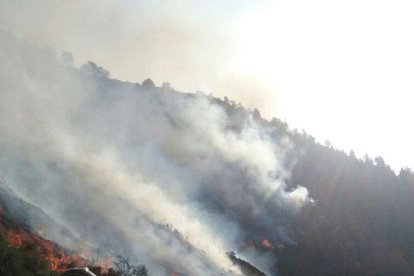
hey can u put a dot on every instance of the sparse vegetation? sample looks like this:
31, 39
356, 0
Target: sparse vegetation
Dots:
125, 268
21, 261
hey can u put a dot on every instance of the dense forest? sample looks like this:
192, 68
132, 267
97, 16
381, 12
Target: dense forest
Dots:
362, 222
362, 219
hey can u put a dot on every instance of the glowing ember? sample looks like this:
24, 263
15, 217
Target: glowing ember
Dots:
267, 244
16, 238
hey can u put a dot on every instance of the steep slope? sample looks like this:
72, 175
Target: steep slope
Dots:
362, 222
177, 180
169, 179
26, 216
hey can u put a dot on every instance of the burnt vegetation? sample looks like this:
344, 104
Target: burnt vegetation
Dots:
361, 221
27, 259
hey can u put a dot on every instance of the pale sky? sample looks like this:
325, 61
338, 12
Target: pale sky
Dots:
341, 70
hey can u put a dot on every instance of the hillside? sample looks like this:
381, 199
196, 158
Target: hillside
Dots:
186, 184
362, 222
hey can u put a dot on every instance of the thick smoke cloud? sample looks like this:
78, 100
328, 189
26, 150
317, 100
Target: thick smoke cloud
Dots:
149, 173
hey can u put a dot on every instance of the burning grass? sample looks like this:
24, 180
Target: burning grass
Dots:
57, 258
25, 253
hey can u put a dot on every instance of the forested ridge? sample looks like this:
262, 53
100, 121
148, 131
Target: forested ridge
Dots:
362, 222
362, 219
281, 203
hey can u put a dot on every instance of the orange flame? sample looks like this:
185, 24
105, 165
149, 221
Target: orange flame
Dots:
267, 244
57, 258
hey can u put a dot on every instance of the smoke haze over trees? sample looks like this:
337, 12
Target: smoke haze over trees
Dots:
110, 159
180, 182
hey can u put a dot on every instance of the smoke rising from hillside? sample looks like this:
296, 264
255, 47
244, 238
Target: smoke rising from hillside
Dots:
143, 172
190, 44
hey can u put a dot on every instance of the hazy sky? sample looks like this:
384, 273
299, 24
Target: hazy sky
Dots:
341, 70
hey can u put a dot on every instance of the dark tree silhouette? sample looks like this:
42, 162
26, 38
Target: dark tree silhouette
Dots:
125, 268
148, 84
91, 68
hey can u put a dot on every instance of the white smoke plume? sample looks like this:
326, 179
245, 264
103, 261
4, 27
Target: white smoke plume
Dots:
159, 176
